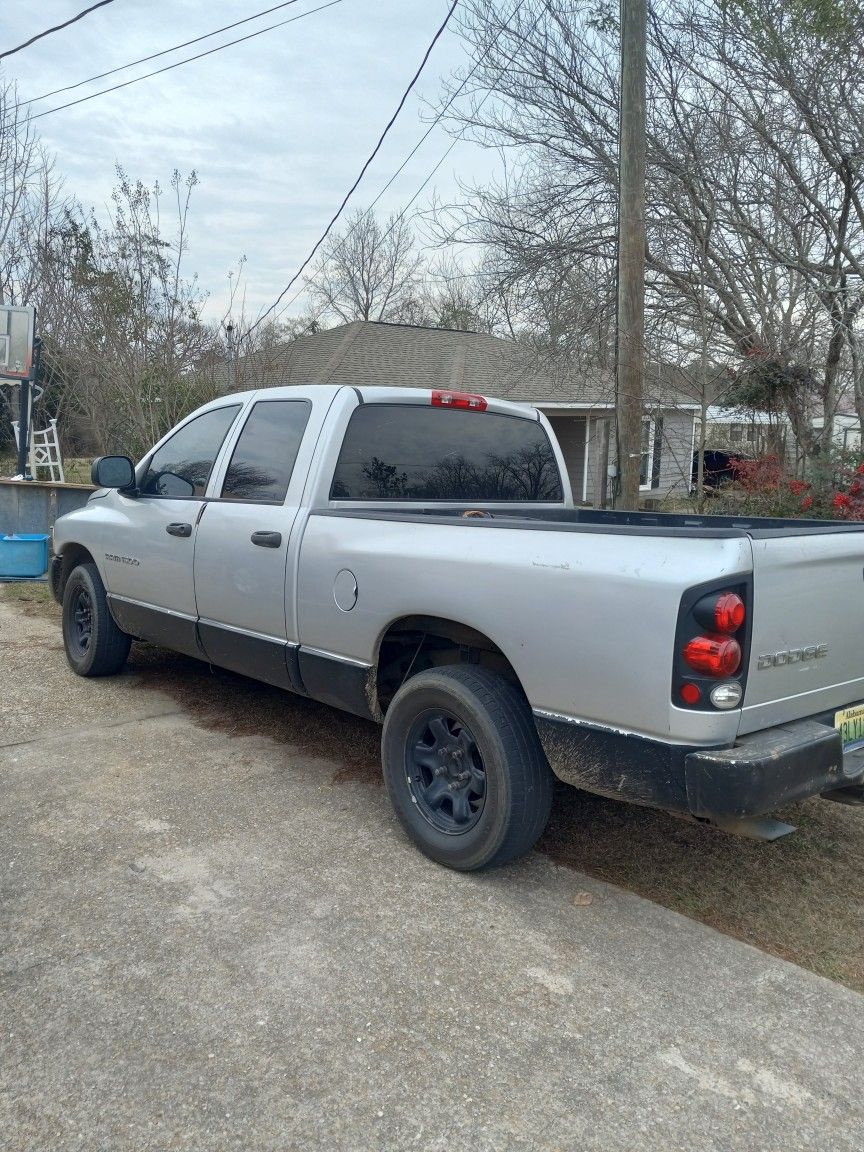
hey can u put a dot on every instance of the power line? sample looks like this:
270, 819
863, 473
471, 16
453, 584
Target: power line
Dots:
461, 135
394, 223
363, 170
180, 63
156, 55
56, 28
440, 115
401, 215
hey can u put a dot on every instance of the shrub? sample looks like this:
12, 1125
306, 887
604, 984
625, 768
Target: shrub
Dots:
832, 490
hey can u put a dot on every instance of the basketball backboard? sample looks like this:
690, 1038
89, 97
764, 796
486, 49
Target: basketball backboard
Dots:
17, 330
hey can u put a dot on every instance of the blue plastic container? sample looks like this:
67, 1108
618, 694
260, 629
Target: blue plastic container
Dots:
24, 554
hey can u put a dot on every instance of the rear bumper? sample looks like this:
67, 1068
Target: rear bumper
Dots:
767, 770
760, 773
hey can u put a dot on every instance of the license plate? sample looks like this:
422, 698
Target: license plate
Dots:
850, 721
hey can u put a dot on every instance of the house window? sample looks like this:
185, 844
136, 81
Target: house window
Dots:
751, 433
649, 463
736, 433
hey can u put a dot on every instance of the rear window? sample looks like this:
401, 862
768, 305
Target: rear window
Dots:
263, 459
410, 452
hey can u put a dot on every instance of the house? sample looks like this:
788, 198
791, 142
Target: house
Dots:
578, 408
748, 432
846, 431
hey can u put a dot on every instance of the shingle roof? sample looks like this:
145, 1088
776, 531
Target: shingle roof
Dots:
374, 353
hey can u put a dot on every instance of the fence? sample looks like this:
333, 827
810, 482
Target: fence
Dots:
34, 505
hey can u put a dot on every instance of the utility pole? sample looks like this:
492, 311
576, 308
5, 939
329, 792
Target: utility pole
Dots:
631, 248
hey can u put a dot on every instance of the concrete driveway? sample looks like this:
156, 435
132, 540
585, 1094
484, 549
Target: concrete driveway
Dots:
221, 943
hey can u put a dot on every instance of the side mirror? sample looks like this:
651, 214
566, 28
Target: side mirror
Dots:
113, 472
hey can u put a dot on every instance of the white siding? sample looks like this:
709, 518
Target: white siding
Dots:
569, 429
676, 459
673, 439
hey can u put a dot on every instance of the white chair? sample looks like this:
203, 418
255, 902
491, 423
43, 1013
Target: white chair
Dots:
44, 452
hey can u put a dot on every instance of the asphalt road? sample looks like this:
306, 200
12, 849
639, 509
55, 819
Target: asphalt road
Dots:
222, 943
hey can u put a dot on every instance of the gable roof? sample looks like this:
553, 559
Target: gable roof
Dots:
405, 355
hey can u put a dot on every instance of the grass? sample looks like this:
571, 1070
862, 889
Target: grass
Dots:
75, 469
33, 599
799, 898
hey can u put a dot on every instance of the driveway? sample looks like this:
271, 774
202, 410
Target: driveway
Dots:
221, 942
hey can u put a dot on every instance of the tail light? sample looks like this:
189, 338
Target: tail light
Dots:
714, 655
691, 693
711, 644
721, 612
466, 400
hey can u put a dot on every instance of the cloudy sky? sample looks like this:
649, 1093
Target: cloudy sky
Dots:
277, 128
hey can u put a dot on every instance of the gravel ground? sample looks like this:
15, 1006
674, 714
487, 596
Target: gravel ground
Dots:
215, 941
800, 898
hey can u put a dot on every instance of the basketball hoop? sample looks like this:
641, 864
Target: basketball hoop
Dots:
19, 364
17, 334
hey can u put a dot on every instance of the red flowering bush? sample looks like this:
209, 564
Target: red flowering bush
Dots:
767, 474
766, 487
849, 505
842, 478
834, 489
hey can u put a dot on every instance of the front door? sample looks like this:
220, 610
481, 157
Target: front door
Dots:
149, 568
243, 545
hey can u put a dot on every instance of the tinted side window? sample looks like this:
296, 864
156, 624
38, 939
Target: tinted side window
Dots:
183, 464
409, 452
263, 459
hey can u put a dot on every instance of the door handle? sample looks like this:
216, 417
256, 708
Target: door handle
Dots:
179, 529
266, 539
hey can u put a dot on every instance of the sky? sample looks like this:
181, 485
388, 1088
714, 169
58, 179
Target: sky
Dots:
276, 128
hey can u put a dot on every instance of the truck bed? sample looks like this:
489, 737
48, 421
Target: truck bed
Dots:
685, 525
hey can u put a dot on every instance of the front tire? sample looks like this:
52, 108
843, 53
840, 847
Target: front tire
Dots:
464, 768
94, 644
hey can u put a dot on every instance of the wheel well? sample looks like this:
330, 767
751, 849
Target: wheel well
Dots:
71, 556
416, 643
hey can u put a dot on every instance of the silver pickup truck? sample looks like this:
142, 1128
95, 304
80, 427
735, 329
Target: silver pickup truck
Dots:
414, 557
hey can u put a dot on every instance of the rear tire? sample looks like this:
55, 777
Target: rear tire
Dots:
464, 768
94, 644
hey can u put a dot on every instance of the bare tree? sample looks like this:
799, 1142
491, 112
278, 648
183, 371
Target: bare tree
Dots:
369, 271
31, 207
126, 352
22, 166
453, 296
755, 219
136, 342
546, 276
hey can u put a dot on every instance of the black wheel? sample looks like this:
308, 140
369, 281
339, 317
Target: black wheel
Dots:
94, 644
464, 768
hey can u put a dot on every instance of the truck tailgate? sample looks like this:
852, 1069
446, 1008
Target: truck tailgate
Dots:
807, 650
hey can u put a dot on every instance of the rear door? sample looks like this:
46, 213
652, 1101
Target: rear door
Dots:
244, 542
807, 649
